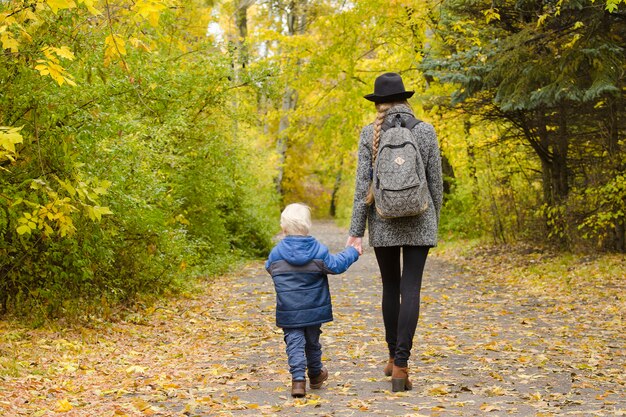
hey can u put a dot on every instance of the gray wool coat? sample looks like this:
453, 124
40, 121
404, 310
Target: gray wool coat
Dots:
410, 231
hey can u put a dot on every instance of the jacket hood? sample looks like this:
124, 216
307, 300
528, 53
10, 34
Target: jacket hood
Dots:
298, 250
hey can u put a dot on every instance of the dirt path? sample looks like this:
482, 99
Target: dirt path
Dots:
479, 350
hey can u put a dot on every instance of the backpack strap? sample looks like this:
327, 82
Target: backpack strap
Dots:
397, 121
412, 122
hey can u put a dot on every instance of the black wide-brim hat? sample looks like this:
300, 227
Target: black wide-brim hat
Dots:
389, 88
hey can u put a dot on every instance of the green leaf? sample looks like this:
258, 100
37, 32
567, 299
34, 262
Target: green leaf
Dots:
24, 229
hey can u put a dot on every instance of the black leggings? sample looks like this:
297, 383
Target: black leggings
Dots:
401, 296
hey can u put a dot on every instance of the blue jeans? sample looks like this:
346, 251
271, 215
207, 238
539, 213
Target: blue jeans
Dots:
304, 351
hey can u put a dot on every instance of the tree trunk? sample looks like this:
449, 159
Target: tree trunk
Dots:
448, 175
241, 21
471, 160
553, 156
498, 229
333, 196
553, 153
560, 177
239, 58
289, 103
544, 144
616, 161
296, 20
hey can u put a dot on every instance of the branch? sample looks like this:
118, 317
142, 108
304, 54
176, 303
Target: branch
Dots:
110, 25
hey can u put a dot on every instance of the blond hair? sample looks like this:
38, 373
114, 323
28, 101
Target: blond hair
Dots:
296, 219
381, 113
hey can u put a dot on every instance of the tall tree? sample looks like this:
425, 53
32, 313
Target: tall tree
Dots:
548, 69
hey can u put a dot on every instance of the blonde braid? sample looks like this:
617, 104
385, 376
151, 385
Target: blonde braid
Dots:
381, 109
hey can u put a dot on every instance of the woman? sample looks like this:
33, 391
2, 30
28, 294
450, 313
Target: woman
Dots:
411, 236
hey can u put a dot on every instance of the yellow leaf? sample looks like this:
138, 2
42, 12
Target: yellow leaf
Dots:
491, 14
43, 69
495, 391
496, 375
438, 390
23, 229
26, 35
56, 5
115, 47
96, 212
150, 10
141, 404
488, 408
64, 52
138, 43
90, 6
63, 406
135, 369
48, 52
571, 43
54, 70
9, 42
9, 136
30, 15
493, 346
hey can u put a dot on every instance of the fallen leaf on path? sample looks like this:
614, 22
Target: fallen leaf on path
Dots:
63, 406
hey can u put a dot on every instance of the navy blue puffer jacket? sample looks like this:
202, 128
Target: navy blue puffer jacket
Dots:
298, 265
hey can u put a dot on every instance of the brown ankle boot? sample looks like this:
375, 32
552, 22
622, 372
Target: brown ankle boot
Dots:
317, 381
389, 367
298, 388
400, 379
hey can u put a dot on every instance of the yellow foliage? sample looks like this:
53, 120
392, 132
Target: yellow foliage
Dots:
56, 214
139, 44
572, 42
90, 6
62, 52
491, 14
9, 136
54, 70
57, 5
63, 406
96, 212
8, 42
150, 10
115, 48
51, 66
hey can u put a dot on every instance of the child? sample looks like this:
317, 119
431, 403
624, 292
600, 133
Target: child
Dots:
298, 265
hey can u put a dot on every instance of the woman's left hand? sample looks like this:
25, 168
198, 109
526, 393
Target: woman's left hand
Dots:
355, 242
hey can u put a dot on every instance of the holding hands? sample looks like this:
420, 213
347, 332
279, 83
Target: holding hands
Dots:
356, 243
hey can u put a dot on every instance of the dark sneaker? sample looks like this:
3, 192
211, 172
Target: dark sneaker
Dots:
298, 388
317, 381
